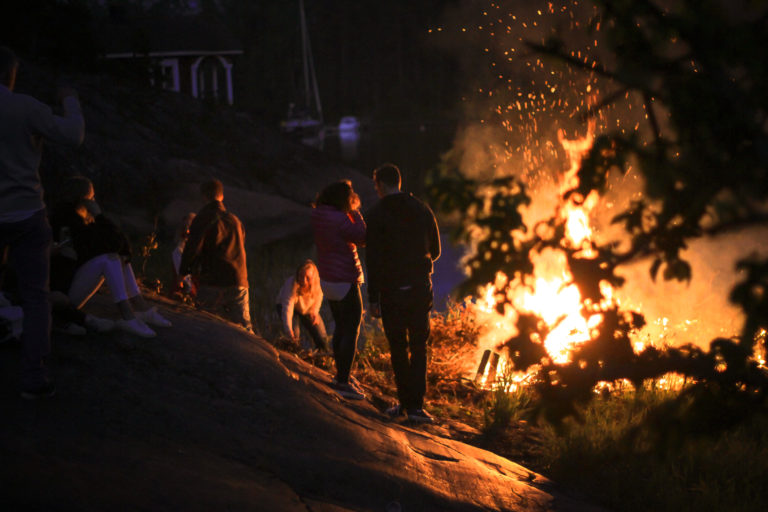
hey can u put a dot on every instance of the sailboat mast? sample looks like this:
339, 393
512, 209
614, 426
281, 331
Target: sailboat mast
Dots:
310, 78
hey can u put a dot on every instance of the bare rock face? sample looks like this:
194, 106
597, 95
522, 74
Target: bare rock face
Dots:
208, 417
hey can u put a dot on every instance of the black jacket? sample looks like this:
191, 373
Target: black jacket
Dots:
215, 249
88, 240
401, 243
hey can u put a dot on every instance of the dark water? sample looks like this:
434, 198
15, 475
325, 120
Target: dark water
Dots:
414, 147
448, 273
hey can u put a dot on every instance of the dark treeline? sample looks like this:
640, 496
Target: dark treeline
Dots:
373, 59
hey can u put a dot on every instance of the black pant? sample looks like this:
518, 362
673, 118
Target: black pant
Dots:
29, 243
405, 316
347, 315
307, 324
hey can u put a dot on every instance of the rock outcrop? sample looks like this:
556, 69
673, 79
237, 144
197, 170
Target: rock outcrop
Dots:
209, 417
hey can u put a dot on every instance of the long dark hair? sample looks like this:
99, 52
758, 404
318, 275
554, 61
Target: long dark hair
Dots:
340, 195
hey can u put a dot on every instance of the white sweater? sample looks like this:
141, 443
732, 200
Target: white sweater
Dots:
290, 300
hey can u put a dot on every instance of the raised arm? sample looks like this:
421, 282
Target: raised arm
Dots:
66, 129
353, 228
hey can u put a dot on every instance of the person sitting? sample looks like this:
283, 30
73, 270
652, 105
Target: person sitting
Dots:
301, 296
101, 253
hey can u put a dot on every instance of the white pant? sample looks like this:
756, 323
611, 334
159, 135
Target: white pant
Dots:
110, 267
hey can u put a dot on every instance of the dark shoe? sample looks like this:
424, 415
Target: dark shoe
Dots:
346, 390
70, 329
356, 384
395, 411
420, 416
43, 391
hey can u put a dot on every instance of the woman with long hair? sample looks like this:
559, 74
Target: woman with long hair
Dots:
99, 252
339, 229
301, 296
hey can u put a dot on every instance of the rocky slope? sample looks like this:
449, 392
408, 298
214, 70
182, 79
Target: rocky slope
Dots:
208, 417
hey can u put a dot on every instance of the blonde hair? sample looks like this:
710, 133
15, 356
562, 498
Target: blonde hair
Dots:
308, 267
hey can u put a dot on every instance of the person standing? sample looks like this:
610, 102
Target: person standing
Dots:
402, 242
24, 124
215, 255
339, 229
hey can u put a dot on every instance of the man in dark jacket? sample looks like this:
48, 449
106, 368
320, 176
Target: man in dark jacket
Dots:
402, 242
215, 254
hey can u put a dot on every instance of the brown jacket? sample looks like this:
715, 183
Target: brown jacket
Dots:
215, 250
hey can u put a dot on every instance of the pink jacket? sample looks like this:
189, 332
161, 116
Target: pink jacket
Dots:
337, 236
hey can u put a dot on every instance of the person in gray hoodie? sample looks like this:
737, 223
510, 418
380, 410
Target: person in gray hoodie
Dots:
24, 229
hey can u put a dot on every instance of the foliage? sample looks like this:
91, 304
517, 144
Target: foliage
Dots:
453, 344
505, 407
699, 72
603, 457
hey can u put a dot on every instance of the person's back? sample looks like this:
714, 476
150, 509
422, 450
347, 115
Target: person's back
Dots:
221, 246
336, 235
24, 123
402, 242
215, 255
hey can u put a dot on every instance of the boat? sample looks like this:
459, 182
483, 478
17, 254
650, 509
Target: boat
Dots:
349, 124
304, 121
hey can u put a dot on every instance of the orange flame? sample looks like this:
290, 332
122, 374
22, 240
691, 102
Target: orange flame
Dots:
551, 293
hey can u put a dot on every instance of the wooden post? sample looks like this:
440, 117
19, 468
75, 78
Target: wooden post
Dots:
483, 364
494, 365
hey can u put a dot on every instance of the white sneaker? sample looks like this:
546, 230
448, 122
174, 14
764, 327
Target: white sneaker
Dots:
137, 327
152, 317
98, 324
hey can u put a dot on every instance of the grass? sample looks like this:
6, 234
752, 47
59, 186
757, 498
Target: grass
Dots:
595, 458
598, 458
